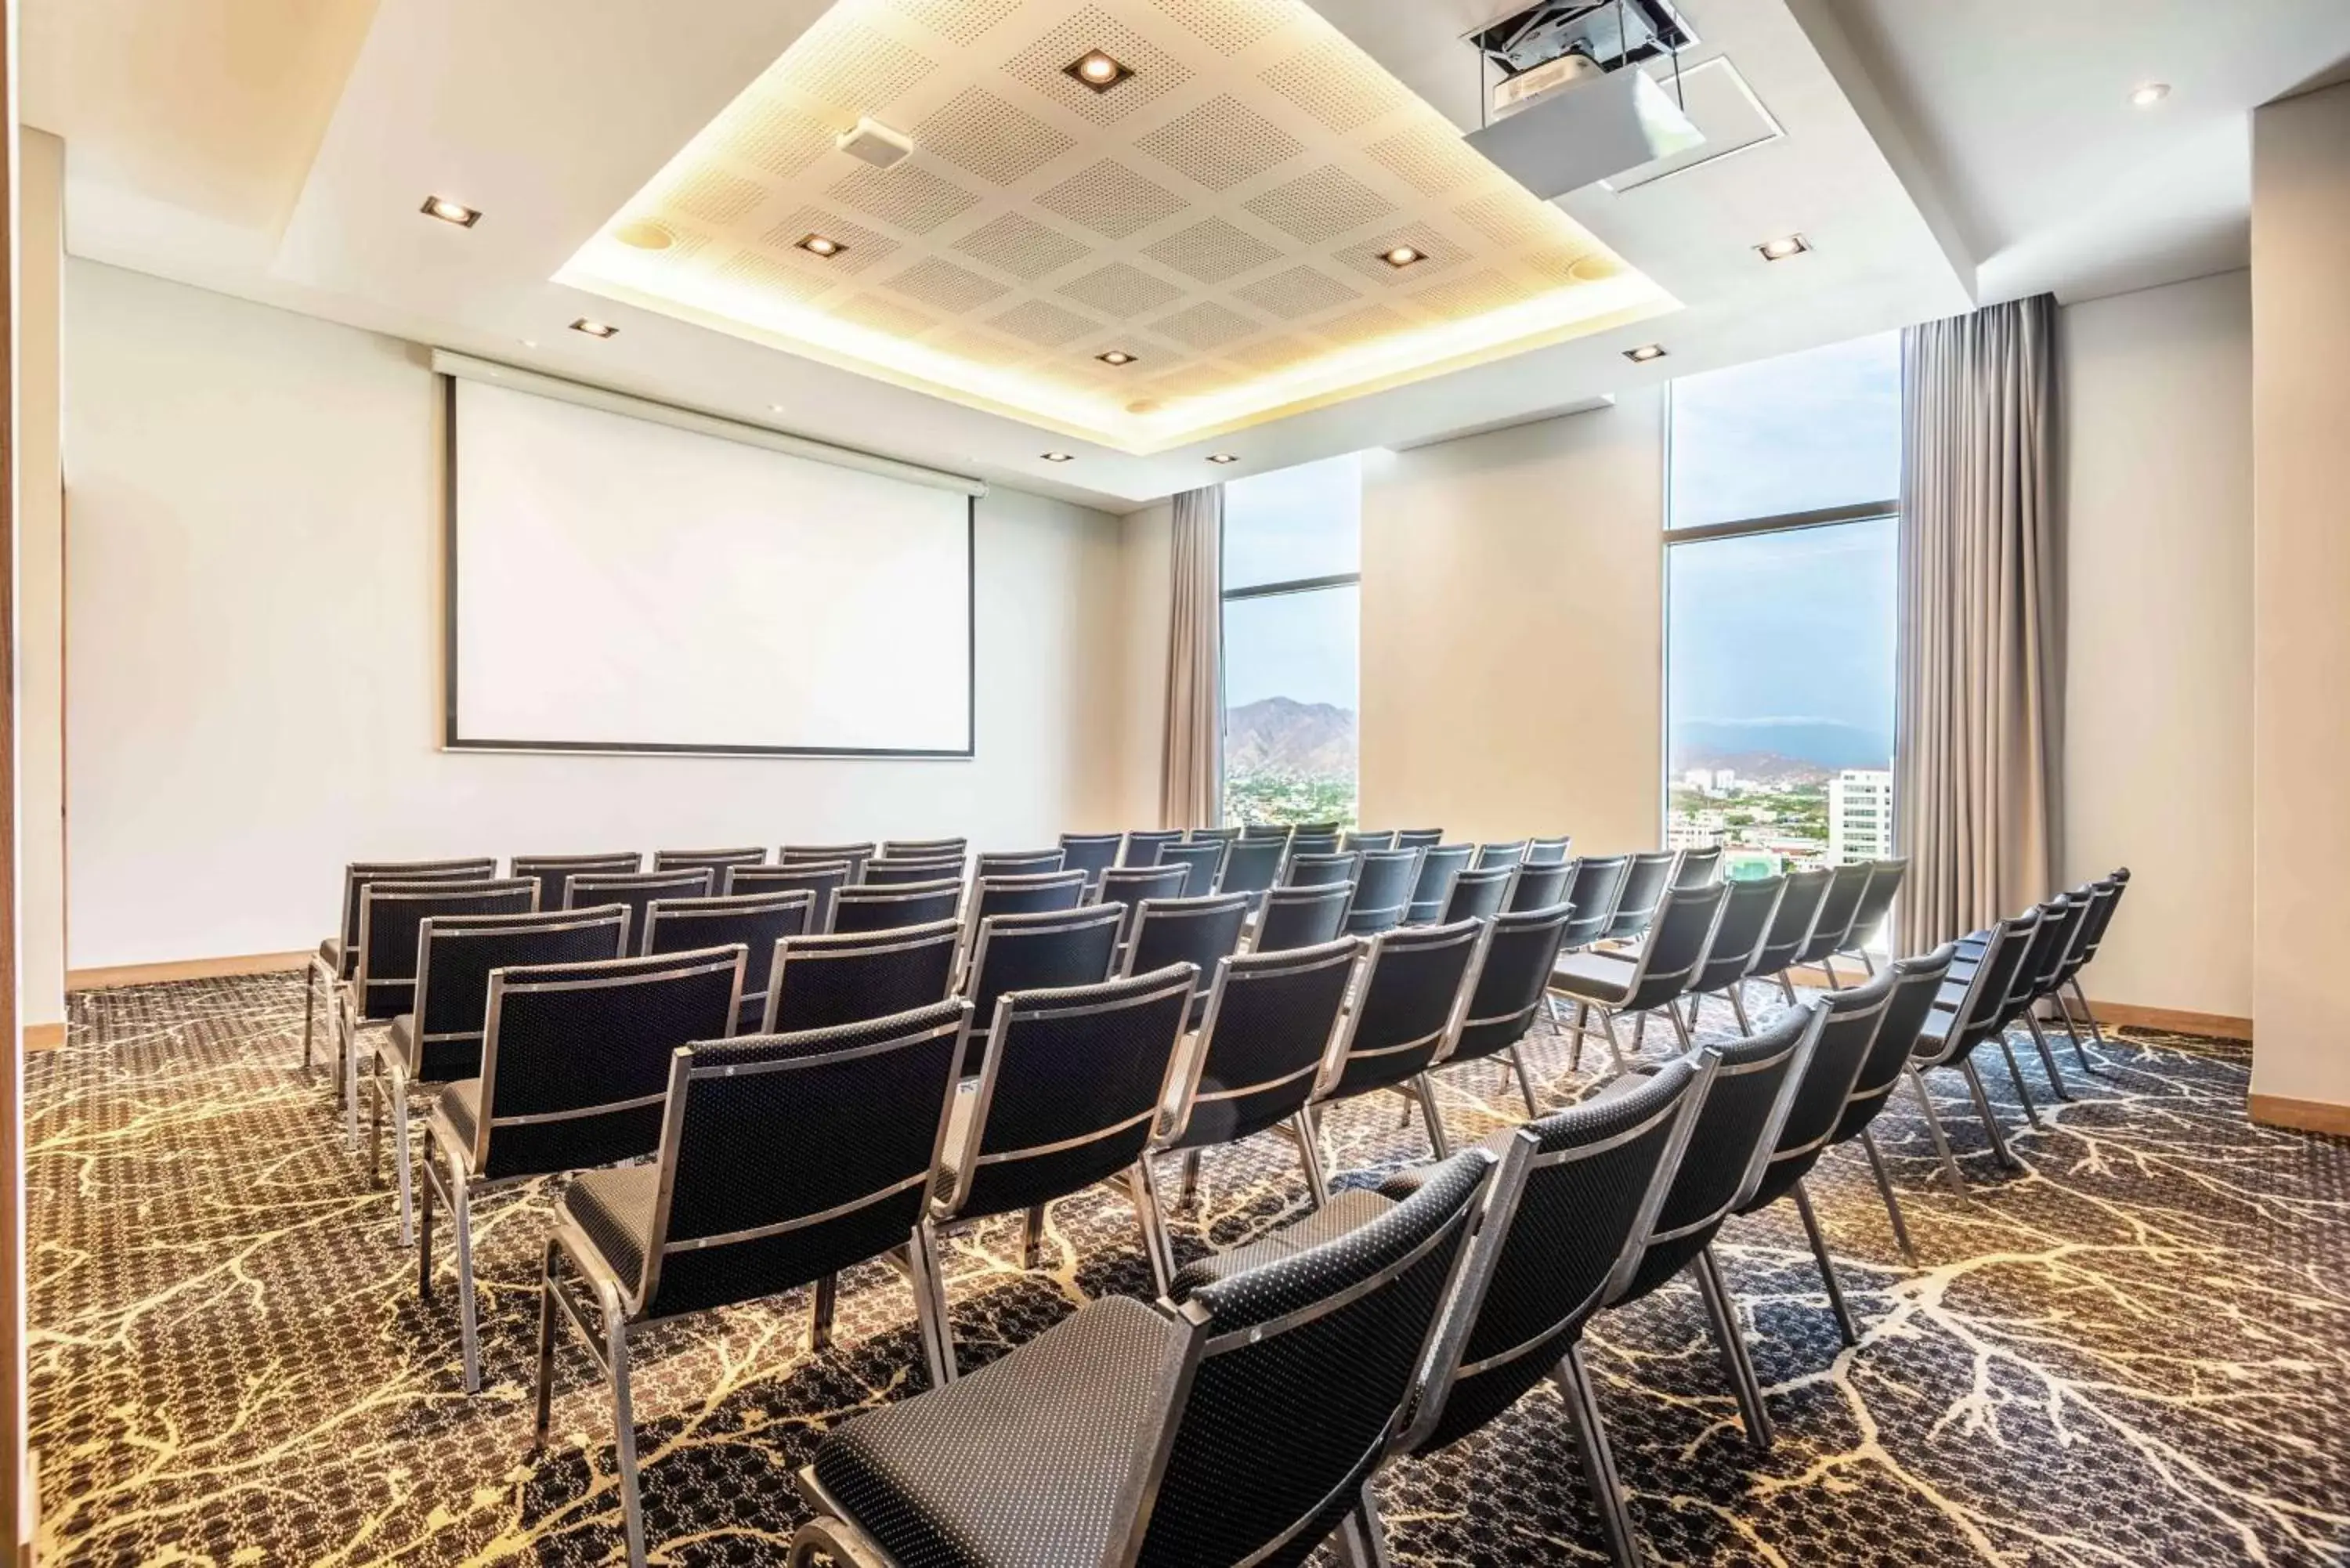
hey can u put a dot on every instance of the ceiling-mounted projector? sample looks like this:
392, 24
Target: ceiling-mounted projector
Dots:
1574, 105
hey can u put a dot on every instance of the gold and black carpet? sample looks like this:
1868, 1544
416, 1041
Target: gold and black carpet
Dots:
2137, 1351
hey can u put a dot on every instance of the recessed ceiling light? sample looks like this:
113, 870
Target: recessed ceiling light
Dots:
822, 246
595, 329
1060, 457
1098, 69
1222, 457
1403, 256
2150, 94
449, 211
1645, 352
1782, 247
1116, 357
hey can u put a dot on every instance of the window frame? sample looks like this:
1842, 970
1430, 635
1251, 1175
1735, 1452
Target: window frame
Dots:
1225, 599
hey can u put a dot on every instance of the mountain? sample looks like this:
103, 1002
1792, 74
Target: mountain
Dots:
1277, 734
1824, 743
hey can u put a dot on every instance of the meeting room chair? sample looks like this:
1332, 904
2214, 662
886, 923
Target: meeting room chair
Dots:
1304, 917
549, 870
1637, 984
1875, 911
1091, 853
1838, 907
1202, 859
1142, 848
1479, 893
854, 977
889, 907
331, 964
1273, 830
1402, 1018
856, 856
1018, 863
635, 891
1539, 885
1318, 829
1363, 842
782, 1160
1697, 867
1438, 865
1418, 837
924, 848
575, 1070
1038, 894
1514, 853
1548, 851
1916, 981
1181, 1403
1070, 1086
1053, 951
1646, 879
1313, 870
1594, 883
1747, 910
1201, 932
1513, 975
2110, 889
1212, 836
1791, 927
1384, 880
1251, 866
822, 880
1967, 1016
1130, 885
883, 871
1302, 843
716, 860
759, 922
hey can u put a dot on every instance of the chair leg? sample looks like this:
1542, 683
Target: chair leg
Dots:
1436, 1137
1738, 1006
1573, 1382
2065, 1013
1309, 1153
2088, 1014
1868, 964
624, 1424
1787, 988
1190, 1193
1615, 1047
1525, 1080
1991, 1123
348, 1063
1892, 1203
1732, 1345
400, 1151
926, 1237
824, 1301
460, 1223
1827, 968
926, 1307
1640, 1033
1680, 1028
1360, 1540
2015, 1072
1031, 1237
1934, 1126
1156, 1245
424, 1231
1844, 1325
310, 1007
1582, 1025
544, 1390
2047, 1056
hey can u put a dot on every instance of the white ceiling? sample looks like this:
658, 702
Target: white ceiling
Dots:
1935, 150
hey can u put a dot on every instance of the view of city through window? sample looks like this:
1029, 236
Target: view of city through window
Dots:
1293, 560
1782, 588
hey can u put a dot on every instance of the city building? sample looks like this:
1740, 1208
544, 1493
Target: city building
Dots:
1860, 816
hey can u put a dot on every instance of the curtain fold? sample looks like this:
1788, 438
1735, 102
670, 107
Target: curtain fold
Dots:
1190, 782
1981, 662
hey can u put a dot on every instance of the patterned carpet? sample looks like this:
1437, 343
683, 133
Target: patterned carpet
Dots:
2138, 1352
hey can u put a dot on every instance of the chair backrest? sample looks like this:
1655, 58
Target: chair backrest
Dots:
1540, 883
1837, 908
1142, 848
1511, 853
1875, 907
1316, 829
1314, 870
1130, 885
1513, 974
1418, 837
1697, 867
784, 1158
1304, 917
1297, 1375
1304, 843
1734, 1135
1201, 932
894, 906
884, 872
1252, 864
1359, 843
1091, 853
2097, 899
1405, 1012
1049, 952
1679, 939
2043, 961
1647, 880
1979, 1010
575, 1061
549, 870
1593, 886
1270, 1020
1020, 863
853, 977
1277, 831
1792, 922
359, 874
1746, 911
391, 919
1479, 895
1202, 860
717, 860
1916, 982
2119, 876
1855, 1016
1212, 836
1069, 1088
636, 890
924, 848
854, 855
1595, 1180
1548, 851
456, 955
821, 880
757, 921
1438, 865
1040, 894
1384, 880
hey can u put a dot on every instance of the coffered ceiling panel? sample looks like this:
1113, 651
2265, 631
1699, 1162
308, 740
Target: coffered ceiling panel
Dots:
1227, 215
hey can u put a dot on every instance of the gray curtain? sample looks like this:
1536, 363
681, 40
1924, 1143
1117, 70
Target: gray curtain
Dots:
1190, 784
1981, 663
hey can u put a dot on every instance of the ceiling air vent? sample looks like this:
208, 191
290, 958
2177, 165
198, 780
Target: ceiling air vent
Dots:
1573, 103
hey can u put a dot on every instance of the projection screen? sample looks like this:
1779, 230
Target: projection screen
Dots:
620, 584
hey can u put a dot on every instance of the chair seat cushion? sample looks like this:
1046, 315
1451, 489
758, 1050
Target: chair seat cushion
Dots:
461, 1105
401, 1041
615, 1208
1594, 977
1345, 1212
1020, 1462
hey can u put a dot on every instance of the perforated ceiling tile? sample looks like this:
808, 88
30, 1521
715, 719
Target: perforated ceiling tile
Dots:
1221, 143
979, 131
963, 22
1122, 291
1228, 25
1206, 325
846, 65
771, 137
713, 197
1111, 199
1474, 295
1042, 66
864, 247
1506, 217
1023, 247
983, 349
1434, 160
1321, 205
1338, 84
1436, 252
1275, 354
908, 196
1042, 323
775, 277
943, 285
1211, 251
1300, 291
882, 314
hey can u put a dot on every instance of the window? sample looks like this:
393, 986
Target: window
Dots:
1781, 556
1292, 573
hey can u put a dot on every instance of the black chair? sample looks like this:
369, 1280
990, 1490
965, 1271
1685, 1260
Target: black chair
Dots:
1091, 853
575, 1067
1316, 830
1593, 884
1069, 1092
1914, 982
1238, 1422
337, 956
1480, 894
1791, 927
1360, 842
1636, 984
1747, 909
549, 870
1403, 1018
1130, 885
755, 1191
2106, 896
1203, 860
758, 921
1023, 863
439, 1039
635, 891
1846, 883
856, 856
891, 907
1278, 832
1420, 838
2062, 919
717, 861
1513, 977
1305, 870
1305, 917
1251, 866
1438, 865
1050, 952
1252, 1064
1646, 879
1966, 1014
1201, 932
1384, 880
1539, 885
1548, 851
1302, 842
820, 880
1212, 836
924, 848
1511, 853
1042, 893
1875, 909
855, 977
884, 872
1142, 848
1697, 867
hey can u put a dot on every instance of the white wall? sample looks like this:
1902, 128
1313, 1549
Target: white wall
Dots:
40, 562
253, 635
1513, 631
1146, 604
2158, 713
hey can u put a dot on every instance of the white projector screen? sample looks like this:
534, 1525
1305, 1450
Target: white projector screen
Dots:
620, 584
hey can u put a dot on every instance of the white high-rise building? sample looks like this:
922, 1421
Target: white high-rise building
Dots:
1860, 816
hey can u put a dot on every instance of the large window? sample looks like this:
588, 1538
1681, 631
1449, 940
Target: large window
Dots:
1779, 572
1293, 560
